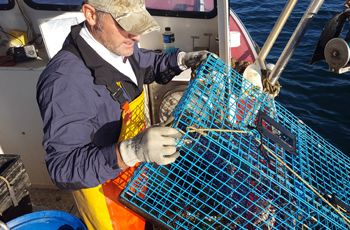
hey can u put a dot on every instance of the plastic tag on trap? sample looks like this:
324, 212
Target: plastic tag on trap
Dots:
228, 175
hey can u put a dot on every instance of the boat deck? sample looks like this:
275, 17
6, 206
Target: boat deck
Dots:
53, 199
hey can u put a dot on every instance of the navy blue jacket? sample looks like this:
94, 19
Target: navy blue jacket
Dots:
81, 120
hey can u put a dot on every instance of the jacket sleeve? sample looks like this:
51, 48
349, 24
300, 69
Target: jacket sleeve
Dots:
161, 67
73, 161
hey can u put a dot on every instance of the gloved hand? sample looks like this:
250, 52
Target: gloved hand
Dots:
154, 144
192, 59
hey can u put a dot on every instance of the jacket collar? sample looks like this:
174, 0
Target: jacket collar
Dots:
103, 72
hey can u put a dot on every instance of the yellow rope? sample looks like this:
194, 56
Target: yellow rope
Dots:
307, 184
192, 129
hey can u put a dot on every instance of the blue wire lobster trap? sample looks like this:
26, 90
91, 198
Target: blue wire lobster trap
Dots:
246, 163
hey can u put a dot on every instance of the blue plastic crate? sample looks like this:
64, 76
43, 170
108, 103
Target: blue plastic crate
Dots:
255, 165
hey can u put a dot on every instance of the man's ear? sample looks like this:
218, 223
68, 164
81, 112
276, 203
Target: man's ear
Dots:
89, 13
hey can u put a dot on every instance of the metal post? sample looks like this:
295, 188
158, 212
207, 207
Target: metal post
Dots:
224, 31
294, 40
275, 32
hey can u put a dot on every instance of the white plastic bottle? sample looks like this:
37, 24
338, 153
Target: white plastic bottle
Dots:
168, 40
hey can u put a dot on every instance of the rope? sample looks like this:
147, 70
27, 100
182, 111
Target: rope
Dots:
192, 129
3, 226
307, 184
273, 90
11, 191
201, 131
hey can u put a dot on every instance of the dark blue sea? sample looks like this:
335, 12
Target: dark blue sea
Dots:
318, 97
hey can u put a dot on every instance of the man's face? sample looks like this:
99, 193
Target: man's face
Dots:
112, 36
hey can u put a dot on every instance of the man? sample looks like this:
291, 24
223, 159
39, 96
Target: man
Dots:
91, 101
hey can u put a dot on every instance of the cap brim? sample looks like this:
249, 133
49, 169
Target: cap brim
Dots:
138, 22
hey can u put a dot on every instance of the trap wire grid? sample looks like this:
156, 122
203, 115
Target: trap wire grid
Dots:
246, 162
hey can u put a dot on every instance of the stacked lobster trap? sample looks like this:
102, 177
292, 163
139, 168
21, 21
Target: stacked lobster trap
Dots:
246, 163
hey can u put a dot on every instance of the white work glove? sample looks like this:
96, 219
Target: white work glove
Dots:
154, 144
191, 59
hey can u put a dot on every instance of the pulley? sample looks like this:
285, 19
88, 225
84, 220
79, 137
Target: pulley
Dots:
337, 55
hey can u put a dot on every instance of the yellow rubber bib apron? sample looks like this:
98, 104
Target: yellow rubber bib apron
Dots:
99, 206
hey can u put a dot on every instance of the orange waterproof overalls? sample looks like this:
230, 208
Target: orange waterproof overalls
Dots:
99, 206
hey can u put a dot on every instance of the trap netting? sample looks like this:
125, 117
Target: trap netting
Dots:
246, 162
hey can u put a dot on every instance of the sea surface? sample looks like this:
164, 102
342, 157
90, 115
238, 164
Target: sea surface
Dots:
318, 97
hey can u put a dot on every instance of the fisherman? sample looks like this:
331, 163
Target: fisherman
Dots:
92, 104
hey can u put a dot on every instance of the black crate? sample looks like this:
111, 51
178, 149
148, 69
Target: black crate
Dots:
14, 182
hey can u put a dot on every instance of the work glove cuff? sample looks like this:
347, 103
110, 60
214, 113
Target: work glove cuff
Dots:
128, 151
180, 60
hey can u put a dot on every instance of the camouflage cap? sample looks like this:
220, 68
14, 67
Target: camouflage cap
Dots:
131, 15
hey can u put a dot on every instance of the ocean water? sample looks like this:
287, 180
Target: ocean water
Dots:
318, 97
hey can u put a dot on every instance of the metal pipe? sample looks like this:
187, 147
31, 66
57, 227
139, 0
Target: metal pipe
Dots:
294, 40
265, 50
224, 31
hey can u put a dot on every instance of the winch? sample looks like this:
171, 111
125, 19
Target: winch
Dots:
337, 55
332, 47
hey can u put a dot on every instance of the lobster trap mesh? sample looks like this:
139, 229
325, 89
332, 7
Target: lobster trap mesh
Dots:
246, 162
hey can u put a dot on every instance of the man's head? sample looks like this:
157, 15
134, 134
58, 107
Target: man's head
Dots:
118, 24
